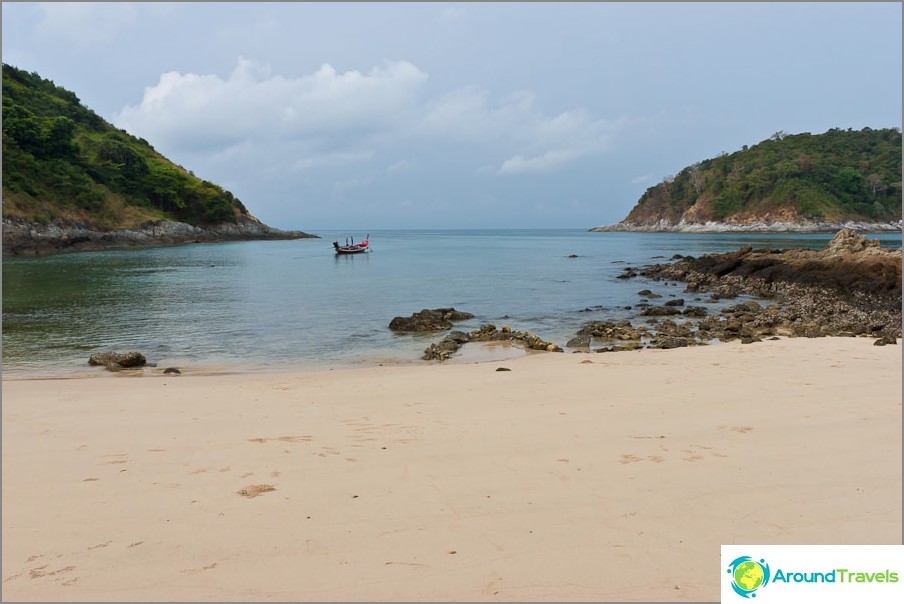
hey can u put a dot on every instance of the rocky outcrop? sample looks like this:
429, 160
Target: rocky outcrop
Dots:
436, 319
28, 238
753, 226
850, 288
446, 347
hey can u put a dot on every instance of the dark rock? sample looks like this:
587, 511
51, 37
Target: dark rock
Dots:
173, 370
658, 311
436, 319
573, 256
677, 302
695, 311
885, 340
503, 369
116, 360
648, 294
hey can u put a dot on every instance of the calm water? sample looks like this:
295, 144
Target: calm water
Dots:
294, 304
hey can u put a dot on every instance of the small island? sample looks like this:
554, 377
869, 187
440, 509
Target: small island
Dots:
73, 181
804, 183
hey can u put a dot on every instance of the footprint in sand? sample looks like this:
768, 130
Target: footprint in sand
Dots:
741, 429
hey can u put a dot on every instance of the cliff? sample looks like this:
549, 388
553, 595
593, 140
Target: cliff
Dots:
799, 183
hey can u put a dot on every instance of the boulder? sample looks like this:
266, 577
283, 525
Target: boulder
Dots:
117, 360
436, 319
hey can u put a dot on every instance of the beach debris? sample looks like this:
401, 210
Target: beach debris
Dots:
437, 319
114, 361
172, 370
253, 490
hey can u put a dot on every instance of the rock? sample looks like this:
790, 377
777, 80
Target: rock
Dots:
503, 369
581, 341
172, 370
436, 319
573, 256
677, 302
695, 311
659, 311
648, 294
885, 340
116, 360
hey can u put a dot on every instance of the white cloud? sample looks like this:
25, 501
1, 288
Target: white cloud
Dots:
256, 120
641, 179
191, 110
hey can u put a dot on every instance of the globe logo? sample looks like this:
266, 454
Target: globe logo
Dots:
748, 575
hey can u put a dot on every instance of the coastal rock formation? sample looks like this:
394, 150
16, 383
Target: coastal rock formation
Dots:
852, 287
446, 347
114, 361
436, 319
28, 238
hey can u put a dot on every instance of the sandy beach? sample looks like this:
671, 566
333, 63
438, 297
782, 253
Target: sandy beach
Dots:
596, 477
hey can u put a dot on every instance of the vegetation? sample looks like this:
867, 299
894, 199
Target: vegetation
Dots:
63, 161
836, 176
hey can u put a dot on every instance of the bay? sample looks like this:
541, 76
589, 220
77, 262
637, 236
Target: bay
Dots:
277, 305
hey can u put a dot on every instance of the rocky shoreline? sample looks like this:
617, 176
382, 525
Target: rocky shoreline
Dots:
28, 238
851, 288
667, 226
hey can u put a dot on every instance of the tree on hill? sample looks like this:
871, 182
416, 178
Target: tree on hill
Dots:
839, 175
63, 161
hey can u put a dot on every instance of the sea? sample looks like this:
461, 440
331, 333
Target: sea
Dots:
296, 305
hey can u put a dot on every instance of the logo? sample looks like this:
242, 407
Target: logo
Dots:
748, 575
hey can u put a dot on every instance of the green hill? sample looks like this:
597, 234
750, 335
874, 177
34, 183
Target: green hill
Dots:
63, 162
838, 176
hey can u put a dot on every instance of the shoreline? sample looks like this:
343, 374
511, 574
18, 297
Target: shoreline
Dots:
562, 479
21, 238
667, 226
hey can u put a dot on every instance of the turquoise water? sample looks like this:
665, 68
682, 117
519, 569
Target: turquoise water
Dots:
296, 305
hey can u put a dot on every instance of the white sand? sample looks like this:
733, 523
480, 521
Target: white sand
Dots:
575, 477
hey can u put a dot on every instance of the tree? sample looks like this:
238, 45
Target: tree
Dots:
874, 181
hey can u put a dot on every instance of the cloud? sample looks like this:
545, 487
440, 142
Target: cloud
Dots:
191, 110
257, 125
641, 179
540, 143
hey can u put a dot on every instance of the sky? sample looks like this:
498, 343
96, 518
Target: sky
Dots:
341, 116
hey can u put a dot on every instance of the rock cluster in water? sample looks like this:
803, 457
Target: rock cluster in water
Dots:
446, 347
436, 319
850, 288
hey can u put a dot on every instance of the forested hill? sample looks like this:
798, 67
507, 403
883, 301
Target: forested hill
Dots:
63, 164
790, 179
